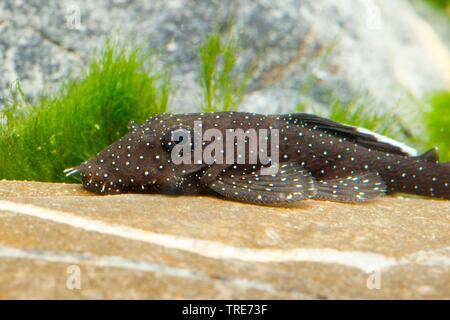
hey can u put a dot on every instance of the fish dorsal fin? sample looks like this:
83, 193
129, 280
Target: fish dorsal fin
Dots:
429, 156
357, 188
357, 135
291, 183
132, 126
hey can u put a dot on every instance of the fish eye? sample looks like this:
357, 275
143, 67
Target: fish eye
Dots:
176, 136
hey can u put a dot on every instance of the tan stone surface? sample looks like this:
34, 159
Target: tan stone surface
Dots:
154, 246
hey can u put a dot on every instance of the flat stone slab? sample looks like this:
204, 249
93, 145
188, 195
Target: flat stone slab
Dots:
59, 241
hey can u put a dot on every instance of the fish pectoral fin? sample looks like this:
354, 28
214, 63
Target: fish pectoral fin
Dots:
351, 189
290, 183
211, 173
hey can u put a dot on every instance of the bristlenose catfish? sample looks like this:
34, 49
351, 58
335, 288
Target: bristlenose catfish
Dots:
318, 159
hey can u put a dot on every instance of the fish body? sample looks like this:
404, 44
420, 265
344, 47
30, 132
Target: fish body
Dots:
317, 159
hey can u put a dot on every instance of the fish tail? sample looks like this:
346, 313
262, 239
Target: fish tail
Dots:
419, 177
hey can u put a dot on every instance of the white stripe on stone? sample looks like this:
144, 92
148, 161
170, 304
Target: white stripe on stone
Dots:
365, 261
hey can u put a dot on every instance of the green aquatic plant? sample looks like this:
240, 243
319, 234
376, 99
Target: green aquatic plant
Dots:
437, 119
39, 140
434, 134
440, 4
222, 86
361, 113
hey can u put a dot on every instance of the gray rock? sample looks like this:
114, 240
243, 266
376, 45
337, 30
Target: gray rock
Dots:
380, 48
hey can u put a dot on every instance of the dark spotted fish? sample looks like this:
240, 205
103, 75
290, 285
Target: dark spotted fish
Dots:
318, 159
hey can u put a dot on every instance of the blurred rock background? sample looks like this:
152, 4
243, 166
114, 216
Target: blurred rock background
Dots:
302, 50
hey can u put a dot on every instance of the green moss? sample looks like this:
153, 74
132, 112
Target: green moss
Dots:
437, 119
38, 141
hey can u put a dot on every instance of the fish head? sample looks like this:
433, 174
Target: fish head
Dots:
142, 160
